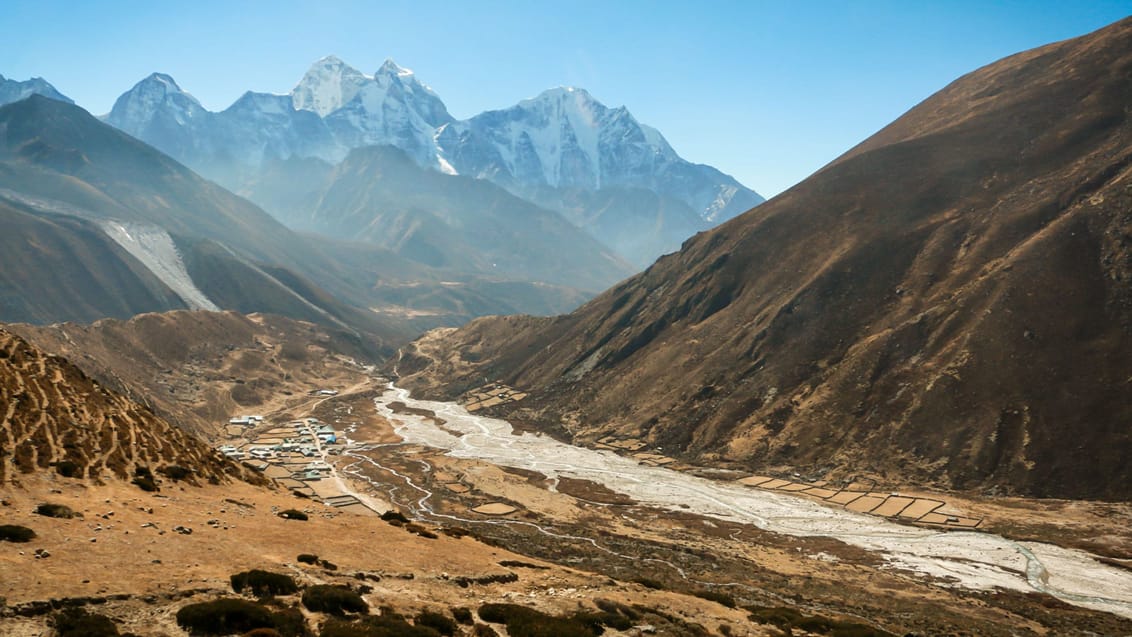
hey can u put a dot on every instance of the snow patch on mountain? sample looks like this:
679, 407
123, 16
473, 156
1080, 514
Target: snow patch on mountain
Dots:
155, 249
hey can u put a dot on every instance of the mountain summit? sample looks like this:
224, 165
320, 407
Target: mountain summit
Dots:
14, 91
563, 150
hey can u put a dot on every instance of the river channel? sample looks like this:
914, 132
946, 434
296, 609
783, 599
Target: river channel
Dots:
972, 560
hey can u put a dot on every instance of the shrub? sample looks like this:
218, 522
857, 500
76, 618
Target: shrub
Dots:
16, 533
420, 530
463, 615
143, 478
175, 472
787, 619
307, 558
527, 622
387, 625
650, 583
293, 514
336, 600
263, 583
439, 622
483, 630
76, 622
717, 597
224, 616
55, 510
68, 469
610, 606
395, 518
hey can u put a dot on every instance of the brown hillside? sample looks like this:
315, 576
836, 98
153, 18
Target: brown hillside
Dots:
198, 369
948, 303
56, 416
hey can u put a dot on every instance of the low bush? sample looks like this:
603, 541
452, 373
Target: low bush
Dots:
463, 615
527, 622
307, 558
55, 510
610, 606
143, 478
439, 622
16, 533
224, 616
650, 583
395, 518
76, 622
788, 619
293, 514
68, 469
176, 473
336, 600
387, 625
717, 597
483, 630
420, 530
263, 583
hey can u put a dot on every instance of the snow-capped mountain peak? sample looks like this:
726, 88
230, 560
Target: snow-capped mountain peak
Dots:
14, 91
389, 67
158, 95
328, 85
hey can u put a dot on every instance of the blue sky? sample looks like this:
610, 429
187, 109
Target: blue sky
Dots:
766, 91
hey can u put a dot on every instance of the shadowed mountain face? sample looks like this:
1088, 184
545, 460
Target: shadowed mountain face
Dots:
102, 225
949, 303
380, 196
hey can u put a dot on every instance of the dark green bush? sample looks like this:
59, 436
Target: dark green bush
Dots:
483, 630
263, 583
611, 606
650, 583
224, 617
394, 517
787, 619
307, 558
463, 615
336, 600
420, 530
527, 622
293, 514
55, 510
16, 533
68, 469
386, 625
76, 622
175, 472
439, 622
143, 478
717, 597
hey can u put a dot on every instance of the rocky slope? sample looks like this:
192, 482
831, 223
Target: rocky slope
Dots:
946, 304
58, 419
198, 369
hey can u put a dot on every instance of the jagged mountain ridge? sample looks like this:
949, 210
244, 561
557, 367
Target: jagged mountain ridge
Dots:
945, 304
547, 149
14, 90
